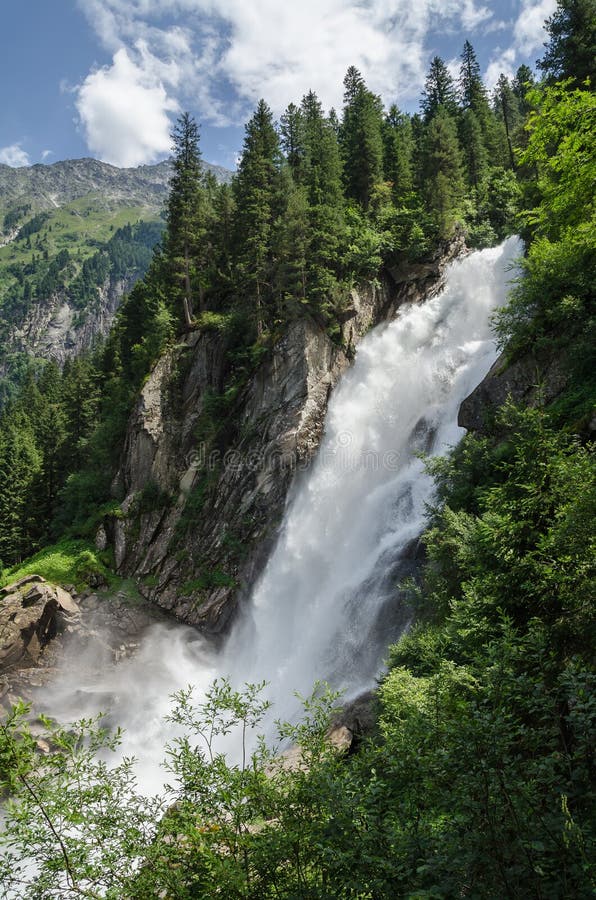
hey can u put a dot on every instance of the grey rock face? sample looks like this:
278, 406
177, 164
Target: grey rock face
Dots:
28, 610
200, 516
531, 381
49, 186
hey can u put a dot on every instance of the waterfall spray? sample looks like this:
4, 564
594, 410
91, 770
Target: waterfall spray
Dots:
327, 604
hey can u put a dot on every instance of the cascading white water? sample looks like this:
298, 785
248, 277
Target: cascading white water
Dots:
322, 609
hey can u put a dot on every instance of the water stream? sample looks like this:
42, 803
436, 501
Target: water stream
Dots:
327, 605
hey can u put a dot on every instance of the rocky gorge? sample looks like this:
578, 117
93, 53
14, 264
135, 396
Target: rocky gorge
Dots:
200, 511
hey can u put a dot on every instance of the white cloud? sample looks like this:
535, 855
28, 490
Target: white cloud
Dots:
45, 154
14, 155
124, 108
529, 28
280, 49
528, 37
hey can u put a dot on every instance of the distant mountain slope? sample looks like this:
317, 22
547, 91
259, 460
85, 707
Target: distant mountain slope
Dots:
49, 186
74, 237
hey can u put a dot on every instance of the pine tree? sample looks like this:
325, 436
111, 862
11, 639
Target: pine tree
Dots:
571, 50
473, 96
361, 138
184, 241
20, 463
439, 90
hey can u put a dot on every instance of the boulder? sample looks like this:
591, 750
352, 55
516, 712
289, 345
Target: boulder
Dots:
28, 619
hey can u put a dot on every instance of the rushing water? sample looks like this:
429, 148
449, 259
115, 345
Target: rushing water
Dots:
325, 607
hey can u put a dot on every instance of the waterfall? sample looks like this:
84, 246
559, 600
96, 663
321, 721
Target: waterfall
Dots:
325, 606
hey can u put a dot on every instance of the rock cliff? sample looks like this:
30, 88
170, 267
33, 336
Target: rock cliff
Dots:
200, 513
531, 380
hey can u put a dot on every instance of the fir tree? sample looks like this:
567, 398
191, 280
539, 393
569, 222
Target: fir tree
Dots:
571, 50
291, 127
439, 90
474, 151
522, 82
259, 201
443, 171
507, 108
361, 138
186, 216
471, 88
397, 154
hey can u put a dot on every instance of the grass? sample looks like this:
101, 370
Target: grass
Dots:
65, 563
77, 227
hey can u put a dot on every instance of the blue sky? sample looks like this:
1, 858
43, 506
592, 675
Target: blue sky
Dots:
106, 78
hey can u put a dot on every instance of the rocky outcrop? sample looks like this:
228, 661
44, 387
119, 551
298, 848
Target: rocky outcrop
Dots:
532, 380
29, 611
54, 329
205, 477
46, 187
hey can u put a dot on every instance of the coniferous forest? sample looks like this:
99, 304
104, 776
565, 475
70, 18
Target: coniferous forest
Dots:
477, 779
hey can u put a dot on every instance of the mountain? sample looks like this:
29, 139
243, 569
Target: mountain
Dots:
74, 237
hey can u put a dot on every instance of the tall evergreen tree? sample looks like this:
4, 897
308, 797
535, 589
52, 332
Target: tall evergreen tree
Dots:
361, 138
322, 163
259, 201
471, 88
522, 82
184, 241
474, 150
439, 90
291, 127
507, 109
571, 50
397, 154
442, 171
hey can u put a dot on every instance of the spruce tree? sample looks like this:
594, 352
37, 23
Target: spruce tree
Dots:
291, 127
471, 88
259, 201
184, 241
442, 171
507, 109
439, 90
521, 84
474, 150
398, 146
361, 138
571, 50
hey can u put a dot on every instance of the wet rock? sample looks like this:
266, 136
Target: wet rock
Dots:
215, 505
532, 380
28, 619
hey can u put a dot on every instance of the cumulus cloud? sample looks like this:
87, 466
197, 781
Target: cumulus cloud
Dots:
124, 107
246, 50
14, 155
528, 37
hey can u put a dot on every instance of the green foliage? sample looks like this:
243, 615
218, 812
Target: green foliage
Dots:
67, 562
571, 50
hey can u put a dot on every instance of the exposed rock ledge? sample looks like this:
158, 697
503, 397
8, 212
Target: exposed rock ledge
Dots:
531, 380
199, 548
29, 611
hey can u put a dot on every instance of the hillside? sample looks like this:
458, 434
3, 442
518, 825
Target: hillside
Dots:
251, 454
71, 244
